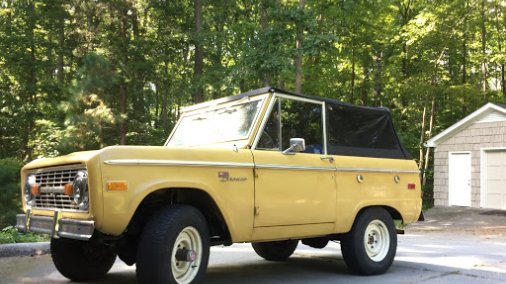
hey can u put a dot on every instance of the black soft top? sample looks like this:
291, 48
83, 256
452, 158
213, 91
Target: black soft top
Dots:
352, 130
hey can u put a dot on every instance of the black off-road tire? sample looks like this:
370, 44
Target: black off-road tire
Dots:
370, 247
82, 260
177, 226
275, 251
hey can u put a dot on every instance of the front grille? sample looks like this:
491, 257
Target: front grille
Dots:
52, 182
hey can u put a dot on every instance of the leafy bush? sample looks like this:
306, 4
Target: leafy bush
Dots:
9, 191
11, 235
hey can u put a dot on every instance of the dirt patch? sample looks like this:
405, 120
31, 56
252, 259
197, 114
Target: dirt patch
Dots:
466, 220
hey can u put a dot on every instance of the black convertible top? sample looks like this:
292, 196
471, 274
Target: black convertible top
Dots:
352, 130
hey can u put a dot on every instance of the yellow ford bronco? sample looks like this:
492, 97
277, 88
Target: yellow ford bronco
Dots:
268, 167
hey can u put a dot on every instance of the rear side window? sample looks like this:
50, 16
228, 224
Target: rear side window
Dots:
354, 131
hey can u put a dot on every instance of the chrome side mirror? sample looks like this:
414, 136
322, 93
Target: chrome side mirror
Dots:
296, 145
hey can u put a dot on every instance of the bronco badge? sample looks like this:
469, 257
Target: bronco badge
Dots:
225, 176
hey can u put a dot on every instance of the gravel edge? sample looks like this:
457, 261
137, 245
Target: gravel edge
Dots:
24, 249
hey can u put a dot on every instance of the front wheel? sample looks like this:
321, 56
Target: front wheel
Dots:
81, 260
275, 251
369, 248
174, 247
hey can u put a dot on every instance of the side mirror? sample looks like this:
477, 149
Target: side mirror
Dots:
296, 145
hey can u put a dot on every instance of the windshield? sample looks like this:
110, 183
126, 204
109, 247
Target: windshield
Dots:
224, 124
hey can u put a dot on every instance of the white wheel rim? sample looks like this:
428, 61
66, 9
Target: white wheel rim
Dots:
376, 240
185, 271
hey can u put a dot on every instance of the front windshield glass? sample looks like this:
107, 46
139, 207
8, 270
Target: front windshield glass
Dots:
224, 124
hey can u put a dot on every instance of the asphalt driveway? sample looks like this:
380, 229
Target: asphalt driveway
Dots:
453, 245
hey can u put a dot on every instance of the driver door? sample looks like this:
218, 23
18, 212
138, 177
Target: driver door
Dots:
293, 189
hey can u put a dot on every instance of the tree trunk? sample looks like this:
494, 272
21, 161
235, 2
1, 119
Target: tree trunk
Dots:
422, 140
378, 88
123, 87
164, 113
31, 84
503, 81
314, 60
406, 14
61, 50
217, 60
464, 47
298, 47
427, 153
483, 50
122, 109
198, 95
365, 86
264, 25
500, 30
353, 72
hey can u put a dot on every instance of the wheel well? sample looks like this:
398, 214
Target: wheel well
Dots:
197, 198
392, 211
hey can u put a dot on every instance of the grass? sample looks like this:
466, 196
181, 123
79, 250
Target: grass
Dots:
10, 235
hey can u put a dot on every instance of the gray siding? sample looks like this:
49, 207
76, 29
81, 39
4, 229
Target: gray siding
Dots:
473, 138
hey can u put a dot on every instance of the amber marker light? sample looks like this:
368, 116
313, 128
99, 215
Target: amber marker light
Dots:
35, 189
117, 185
68, 189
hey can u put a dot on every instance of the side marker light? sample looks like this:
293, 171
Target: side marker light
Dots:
117, 185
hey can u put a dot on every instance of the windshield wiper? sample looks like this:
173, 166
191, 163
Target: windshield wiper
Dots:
200, 118
228, 110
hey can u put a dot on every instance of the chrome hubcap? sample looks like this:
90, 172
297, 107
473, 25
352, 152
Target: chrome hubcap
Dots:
376, 240
186, 255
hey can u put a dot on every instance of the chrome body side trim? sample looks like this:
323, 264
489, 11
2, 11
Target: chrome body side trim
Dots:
132, 162
376, 170
294, 167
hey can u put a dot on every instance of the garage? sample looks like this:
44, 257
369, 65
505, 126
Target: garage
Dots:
470, 160
494, 179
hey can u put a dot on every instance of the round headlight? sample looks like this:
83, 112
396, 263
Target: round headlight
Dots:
80, 186
30, 180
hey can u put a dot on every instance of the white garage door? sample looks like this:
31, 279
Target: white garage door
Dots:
494, 187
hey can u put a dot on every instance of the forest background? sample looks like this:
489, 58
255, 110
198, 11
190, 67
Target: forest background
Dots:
83, 74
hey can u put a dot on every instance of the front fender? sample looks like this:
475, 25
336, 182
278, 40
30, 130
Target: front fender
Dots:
203, 170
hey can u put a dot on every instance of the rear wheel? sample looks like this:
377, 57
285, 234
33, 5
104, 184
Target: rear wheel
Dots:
369, 248
81, 260
174, 247
275, 251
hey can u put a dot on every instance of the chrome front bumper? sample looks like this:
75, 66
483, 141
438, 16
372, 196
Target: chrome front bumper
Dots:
55, 226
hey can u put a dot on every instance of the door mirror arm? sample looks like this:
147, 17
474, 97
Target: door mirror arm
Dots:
296, 145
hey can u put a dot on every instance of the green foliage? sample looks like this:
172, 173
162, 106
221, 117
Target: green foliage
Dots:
47, 139
80, 75
9, 235
9, 191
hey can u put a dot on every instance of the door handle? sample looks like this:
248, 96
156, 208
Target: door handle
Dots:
330, 159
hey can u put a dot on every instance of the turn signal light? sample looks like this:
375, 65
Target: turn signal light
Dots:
117, 185
35, 189
68, 189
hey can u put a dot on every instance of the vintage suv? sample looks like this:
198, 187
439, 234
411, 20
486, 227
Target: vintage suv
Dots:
267, 167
